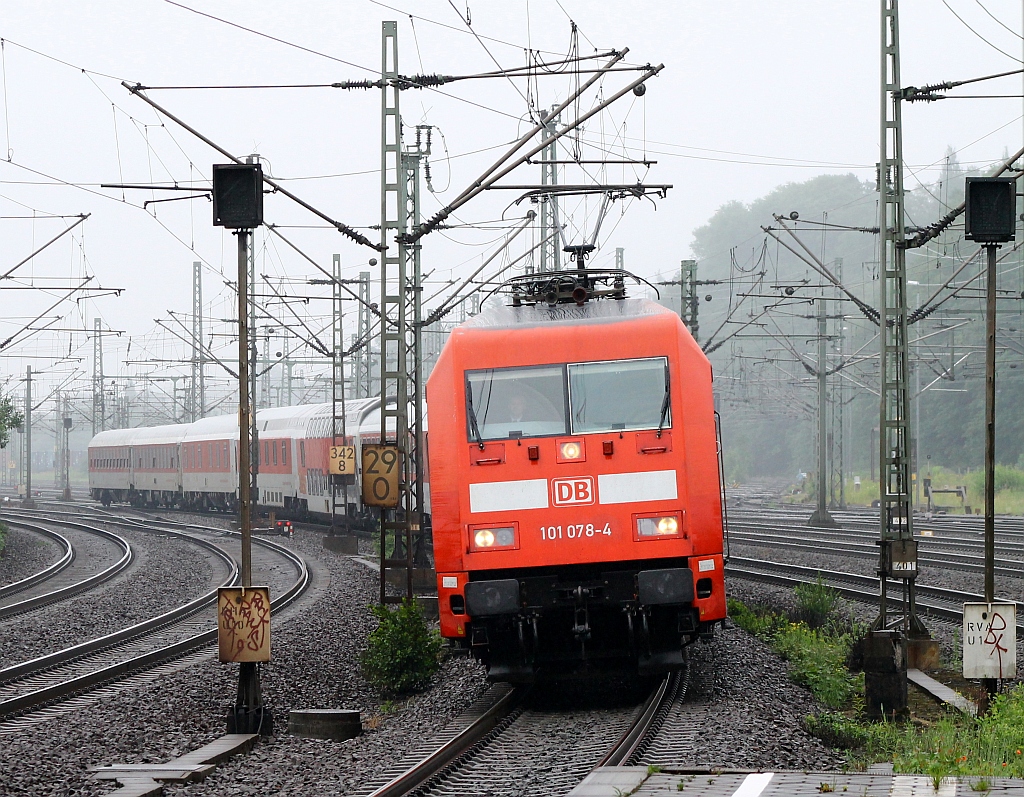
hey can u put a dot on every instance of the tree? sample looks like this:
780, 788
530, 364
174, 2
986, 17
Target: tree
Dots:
10, 418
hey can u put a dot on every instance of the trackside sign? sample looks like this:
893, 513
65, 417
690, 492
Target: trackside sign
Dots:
990, 640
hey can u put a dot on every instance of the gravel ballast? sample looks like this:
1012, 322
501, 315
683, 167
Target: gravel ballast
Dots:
752, 712
25, 554
167, 572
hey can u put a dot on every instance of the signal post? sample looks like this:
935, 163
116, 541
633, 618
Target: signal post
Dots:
990, 628
238, 205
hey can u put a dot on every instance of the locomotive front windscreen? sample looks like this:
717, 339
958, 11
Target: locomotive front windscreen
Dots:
516, 402
621, 394
504, 403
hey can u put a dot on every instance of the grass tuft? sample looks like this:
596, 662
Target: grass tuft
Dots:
817, 656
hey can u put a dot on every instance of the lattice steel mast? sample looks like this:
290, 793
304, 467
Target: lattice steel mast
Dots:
896, 515
396, 525
363, 360
411, 163
99, 410
550, 248
197, 385
339, 484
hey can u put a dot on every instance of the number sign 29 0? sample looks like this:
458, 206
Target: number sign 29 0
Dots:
380, 475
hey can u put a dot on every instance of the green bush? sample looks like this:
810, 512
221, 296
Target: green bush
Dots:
1007, 477
815, 602
3, 537
817, 657
838, 730
402, 653
817, 660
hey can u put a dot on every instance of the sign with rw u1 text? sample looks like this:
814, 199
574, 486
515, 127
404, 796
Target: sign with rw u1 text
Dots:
990, 640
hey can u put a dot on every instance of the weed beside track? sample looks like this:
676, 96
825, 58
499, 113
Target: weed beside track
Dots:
816, 642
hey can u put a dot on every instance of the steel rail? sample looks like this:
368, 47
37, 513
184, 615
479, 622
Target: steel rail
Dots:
28, 604
447, 753
46, 573
73, 686
641, 726
1011, 568
855, 586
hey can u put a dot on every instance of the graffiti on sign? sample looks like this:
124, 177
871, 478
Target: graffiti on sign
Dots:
243, 624
990, 640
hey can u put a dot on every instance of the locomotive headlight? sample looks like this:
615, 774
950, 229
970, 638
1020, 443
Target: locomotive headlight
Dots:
657, 526
490, 538
571, 450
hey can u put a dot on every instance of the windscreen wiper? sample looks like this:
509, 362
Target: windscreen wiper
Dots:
665, 402
473, 426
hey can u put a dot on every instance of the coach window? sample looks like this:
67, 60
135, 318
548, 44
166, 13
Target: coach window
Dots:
620, 394
284, 452
302, 453
515, 402
275, 451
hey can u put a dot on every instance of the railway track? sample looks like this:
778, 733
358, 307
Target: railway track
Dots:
956, 544
66, 558
188, 628
504, 740
63, 579
942, 603
502, 728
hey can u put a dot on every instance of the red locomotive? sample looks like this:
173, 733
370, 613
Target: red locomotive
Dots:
576, 489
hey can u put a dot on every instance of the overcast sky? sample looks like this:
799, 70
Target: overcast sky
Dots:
753, 95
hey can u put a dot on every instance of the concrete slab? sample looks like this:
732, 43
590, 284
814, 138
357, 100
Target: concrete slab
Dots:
343, 544
137, 787
942, 693
611, 782
143, 780
637, 782
168, 772
220, 749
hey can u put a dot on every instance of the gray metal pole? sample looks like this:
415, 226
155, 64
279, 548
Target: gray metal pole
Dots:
822, 407
821, 516
28, 503
990, 437
990, 424
244, 410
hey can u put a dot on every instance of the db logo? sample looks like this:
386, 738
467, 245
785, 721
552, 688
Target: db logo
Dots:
569, 492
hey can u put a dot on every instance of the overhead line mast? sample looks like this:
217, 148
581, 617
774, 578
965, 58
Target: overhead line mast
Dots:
396, 525
896, 529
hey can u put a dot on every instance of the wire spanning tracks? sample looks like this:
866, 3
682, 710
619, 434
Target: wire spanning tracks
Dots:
65, 578
172, 635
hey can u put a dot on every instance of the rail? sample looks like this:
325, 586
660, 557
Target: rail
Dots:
67, 557
103, 675
127, 557
465, 740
